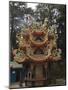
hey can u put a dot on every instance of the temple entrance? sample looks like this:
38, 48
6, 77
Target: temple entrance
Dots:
36, 75
39, 75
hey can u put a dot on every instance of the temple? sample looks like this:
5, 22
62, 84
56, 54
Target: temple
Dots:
37, 45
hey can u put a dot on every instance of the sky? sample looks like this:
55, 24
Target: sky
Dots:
32, 5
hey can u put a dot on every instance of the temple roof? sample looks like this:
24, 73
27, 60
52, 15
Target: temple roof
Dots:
37, 38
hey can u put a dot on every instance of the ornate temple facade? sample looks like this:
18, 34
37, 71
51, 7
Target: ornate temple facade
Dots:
37, 47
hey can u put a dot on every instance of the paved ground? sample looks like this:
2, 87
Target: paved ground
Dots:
59, 82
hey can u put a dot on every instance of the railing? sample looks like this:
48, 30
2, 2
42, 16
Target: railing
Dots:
35, 80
